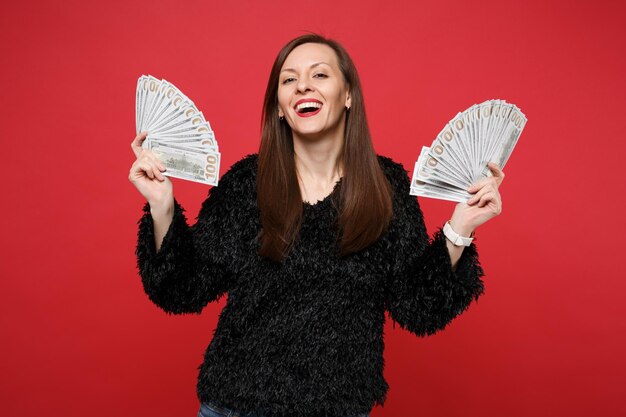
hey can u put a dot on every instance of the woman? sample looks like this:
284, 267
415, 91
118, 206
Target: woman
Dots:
313, 239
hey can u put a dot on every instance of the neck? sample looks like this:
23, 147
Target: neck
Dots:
318, 162
316, 159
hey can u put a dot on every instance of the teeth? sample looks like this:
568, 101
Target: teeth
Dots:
308, 105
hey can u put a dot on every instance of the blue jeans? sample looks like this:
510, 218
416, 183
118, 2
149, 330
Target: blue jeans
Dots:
212, 410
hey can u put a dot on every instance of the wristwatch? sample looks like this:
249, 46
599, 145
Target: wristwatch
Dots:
455, 238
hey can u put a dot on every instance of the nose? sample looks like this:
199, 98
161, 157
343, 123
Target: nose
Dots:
304, 85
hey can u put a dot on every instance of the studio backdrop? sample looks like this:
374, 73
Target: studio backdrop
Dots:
80, 336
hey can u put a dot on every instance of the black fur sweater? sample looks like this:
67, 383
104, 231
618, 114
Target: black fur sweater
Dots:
302, 338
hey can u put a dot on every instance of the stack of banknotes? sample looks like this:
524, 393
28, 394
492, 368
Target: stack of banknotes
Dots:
458, 157
178, 133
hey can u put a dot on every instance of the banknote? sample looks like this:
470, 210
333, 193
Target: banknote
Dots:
178, 132
188, 164
458, 156
436, 189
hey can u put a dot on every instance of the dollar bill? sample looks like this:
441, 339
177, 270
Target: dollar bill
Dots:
458, 157
187, 164
178, 133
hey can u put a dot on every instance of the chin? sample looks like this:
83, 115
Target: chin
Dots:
314, 131
310, 134
308, 130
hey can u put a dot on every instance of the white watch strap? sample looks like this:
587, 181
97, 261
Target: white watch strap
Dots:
454, 237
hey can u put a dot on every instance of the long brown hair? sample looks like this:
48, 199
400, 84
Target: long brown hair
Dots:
365, 205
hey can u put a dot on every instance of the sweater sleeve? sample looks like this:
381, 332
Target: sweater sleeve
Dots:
423, 293
194, 265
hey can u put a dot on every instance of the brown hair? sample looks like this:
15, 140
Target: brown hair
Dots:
365, 205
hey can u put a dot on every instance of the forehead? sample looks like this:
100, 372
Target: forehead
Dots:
303, 56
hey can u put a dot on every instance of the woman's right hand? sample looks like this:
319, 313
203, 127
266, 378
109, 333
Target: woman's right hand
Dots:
145, 174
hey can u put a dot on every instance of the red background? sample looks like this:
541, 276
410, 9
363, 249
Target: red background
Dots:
81, 337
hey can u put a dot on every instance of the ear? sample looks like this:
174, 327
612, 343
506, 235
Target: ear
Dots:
280, 113
348, 100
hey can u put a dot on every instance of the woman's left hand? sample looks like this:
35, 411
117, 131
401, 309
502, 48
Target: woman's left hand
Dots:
484, 205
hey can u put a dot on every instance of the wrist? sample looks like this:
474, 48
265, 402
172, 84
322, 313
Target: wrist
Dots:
163, 209
462, 229
456, 238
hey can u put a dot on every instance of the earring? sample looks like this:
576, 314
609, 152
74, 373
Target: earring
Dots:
281, 118
347, 107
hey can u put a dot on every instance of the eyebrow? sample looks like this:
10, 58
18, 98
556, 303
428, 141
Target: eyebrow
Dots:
312, 66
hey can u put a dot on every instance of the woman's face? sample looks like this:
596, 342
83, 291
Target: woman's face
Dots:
312, 95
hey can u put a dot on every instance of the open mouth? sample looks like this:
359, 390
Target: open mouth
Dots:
308, 108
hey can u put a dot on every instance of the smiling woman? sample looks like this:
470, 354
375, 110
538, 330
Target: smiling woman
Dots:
315, 133
308, 282
308, 89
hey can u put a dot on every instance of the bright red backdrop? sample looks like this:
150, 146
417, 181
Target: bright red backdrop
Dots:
81, 337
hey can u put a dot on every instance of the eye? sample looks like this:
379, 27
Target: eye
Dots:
286, 80
321, 75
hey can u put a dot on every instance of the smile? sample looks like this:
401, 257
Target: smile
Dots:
308, 107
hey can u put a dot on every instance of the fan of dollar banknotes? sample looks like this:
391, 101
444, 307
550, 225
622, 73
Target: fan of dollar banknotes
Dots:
178, 133
458, 157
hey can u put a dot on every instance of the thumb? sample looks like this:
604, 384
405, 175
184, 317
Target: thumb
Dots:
136, 143
496, 171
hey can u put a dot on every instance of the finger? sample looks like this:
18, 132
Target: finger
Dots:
136, 168
478, 185
498, 174
490, 198
160, 164
484, 182
149, 156
136, 143
158, 175
153, 165
144, 166
149, 171
475, 198
497, 204
484, 199
489, 187
475, 187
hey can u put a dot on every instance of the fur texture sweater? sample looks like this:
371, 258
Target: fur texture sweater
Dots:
305, 337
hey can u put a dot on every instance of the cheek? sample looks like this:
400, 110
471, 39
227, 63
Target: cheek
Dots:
336, 95
283, 99
336, 102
